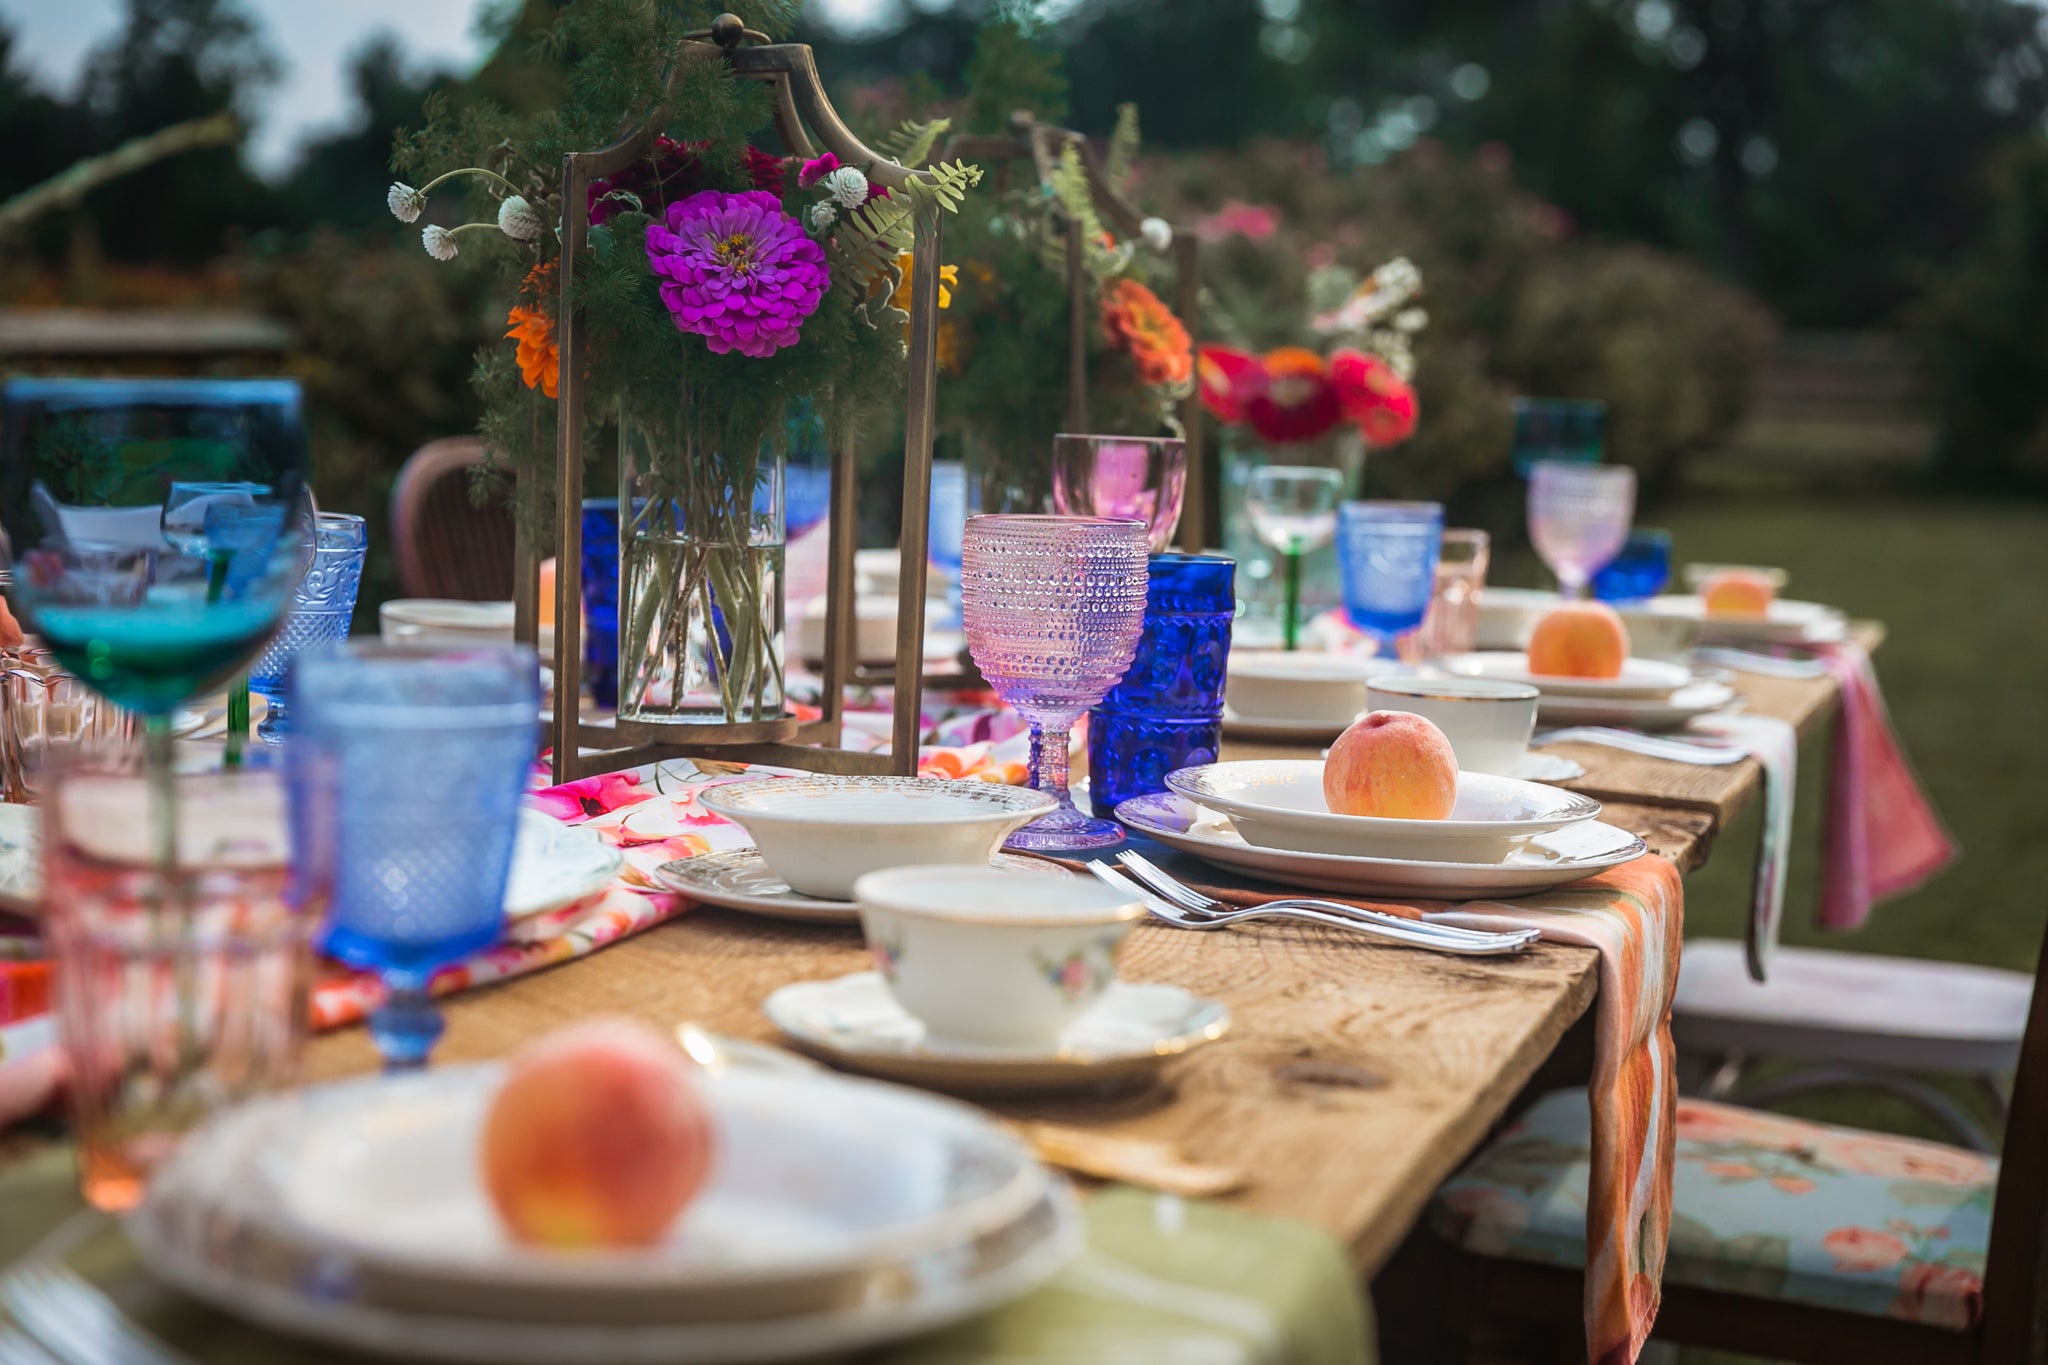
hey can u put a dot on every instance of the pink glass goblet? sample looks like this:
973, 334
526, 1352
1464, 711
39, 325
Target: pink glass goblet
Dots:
1053, 608
1141, 478
1579, 515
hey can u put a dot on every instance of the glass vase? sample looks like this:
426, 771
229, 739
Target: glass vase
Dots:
701, 538
1260, 585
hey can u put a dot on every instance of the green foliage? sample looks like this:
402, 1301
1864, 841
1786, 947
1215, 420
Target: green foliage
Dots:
1120, 162
912, 141
1984, 328
1013, 69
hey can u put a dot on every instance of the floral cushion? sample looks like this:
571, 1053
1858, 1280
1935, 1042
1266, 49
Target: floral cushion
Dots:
1763, 1205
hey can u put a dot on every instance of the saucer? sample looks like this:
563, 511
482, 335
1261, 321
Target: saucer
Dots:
1281, 729
1549, 768
1641, 679
1545, 861
854, 1022
1661, 714
740, 879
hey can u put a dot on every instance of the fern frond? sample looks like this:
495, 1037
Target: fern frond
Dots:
912, 140
1123, 148
868, 239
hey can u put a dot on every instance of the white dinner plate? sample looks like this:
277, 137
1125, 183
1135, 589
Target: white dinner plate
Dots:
1786, 623
1641, 679
854, 1022
740, 879
839, 1214
1278, 802
1698, 699
1547, 860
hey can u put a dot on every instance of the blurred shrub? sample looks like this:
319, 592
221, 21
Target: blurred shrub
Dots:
387, 338
1983, 330
1517, 305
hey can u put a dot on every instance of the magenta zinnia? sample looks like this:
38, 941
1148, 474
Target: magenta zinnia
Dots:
737, 271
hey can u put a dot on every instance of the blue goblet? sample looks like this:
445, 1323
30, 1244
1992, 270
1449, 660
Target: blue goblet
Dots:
1388, 553
407, 766
322, 608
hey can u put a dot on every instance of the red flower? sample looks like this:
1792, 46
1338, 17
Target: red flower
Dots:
764, 170
1225, 377
1373, 396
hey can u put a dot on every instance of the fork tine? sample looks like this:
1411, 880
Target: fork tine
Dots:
1173, 889
1160, 908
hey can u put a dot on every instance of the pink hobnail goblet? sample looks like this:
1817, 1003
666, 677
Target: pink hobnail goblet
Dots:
1142, 478
1053, 607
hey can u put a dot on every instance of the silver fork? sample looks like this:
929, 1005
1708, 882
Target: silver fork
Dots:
66, 1316
1158, 879
1410, 937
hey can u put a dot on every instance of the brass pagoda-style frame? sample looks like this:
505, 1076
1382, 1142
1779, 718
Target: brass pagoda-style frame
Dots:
791, 71
1041, 144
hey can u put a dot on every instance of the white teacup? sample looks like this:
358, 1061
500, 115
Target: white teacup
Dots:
986, 958
1487, 720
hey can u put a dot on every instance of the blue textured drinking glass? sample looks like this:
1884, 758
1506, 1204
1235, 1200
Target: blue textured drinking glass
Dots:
407, 766
1388, 553
1639, 571
950, 505
1167, 712
322, 607
1566, 429
600, 576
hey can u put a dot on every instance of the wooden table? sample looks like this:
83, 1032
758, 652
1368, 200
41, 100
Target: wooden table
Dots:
1355, 1077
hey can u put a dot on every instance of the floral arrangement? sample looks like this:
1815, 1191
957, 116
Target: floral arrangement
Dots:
1293, 394
725, 291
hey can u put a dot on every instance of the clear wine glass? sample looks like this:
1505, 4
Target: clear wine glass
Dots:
1579, 515
187, 506
1053, 607
1293, 508
1388, 552
1136, 478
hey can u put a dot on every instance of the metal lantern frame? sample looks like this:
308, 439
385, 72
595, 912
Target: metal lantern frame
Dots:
1042, 144
790, 70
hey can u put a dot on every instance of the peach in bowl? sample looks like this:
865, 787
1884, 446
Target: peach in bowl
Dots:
820, 834
1281, 803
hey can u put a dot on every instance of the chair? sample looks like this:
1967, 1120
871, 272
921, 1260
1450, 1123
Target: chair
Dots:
1853, 1019
1790, 1240
445, 544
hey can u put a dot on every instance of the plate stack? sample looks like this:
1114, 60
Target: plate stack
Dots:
1504, 837
1650, 694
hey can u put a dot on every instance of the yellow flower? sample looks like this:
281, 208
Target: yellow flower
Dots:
949, 280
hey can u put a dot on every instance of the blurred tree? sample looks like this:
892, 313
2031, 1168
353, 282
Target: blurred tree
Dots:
340, 179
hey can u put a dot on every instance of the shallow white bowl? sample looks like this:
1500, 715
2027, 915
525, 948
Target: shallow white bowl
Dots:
1640, 680
1305, 688
820, 834
1279, 803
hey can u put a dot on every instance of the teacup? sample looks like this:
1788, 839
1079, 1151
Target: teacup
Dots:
1487, 720
820, 833
989, 959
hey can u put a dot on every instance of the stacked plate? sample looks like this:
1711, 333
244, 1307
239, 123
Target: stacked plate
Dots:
1305, 697
840, 1214
1650, 694
1268, 818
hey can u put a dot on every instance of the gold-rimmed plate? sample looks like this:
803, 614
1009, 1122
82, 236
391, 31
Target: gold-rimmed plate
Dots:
740, 879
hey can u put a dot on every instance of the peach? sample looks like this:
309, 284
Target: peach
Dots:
599, 1137
1738, 592
1392, 764
1579, 640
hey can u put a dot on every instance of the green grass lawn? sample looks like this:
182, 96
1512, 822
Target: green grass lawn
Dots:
1963, 587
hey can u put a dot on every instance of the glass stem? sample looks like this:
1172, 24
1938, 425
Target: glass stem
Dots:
1049, 761
1291, 621
238, 723
174, 928
407, 1025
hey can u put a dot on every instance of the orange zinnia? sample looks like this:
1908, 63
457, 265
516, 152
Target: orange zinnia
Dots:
540, 361
1134, 318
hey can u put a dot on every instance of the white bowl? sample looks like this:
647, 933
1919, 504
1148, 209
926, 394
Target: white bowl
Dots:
820, 834
1279, 803
1487, 720
1304, 688
1654, 634
874, 630
989, 959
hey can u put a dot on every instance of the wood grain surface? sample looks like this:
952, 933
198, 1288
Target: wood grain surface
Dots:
1354, 1079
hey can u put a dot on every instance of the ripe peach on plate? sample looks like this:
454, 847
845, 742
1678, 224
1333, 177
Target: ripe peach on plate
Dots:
599, 1137
1579, 640
1738, 593
1394, 765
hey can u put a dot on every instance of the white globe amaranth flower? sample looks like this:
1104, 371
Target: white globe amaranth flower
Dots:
848, 186
1412, 319
517, 220
822, 215
1157, 232
405, 201
439, 242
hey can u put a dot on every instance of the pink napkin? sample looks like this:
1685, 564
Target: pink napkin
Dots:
1883, 837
